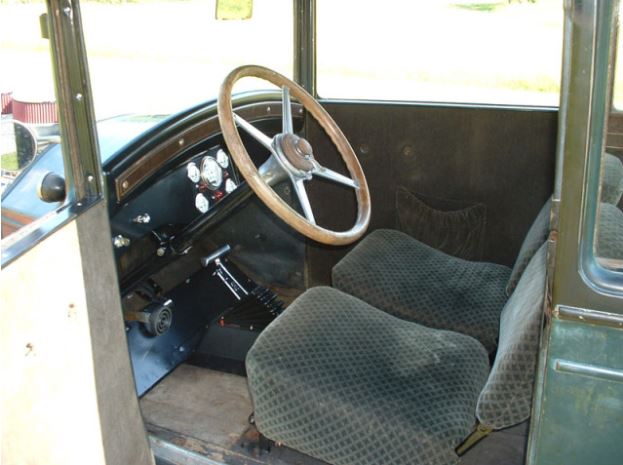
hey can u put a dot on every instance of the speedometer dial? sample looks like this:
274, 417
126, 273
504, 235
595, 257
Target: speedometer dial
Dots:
211, 173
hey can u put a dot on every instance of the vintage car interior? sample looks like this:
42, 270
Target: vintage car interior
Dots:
308, 281
427, 339
431, 327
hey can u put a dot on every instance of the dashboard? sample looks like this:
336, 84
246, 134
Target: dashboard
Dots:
178, 182
145, 227
167, 183
191, 189
172, 199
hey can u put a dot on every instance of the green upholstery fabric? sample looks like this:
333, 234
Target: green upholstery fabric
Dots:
406, 278
612, 180
507, 395
458, 230
537, 234
349, 384
609, 242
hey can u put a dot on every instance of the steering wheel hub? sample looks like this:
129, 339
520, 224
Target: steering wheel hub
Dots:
296, 150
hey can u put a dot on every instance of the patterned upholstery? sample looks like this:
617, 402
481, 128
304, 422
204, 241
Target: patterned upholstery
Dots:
612, 180
458, 229
406, 278
507, 395
537, 234
349, 384
609, 242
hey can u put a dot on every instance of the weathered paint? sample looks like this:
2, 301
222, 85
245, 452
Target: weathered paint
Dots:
584, 412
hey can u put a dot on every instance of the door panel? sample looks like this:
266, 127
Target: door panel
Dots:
583, 395
67, 382
450, 158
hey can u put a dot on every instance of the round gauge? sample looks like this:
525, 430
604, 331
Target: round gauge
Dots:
201, 203
222, 159
193, 172
211, 173
230, 186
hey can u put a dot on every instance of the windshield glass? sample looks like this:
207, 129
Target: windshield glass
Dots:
159, 57
152, 57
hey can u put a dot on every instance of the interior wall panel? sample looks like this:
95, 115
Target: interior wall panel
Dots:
500, 157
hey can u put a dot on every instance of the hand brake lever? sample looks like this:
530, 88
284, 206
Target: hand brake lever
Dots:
223, 273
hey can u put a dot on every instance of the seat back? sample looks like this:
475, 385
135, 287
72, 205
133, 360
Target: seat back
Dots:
611, 192
537, 234
507, 395
612, 179
610, 232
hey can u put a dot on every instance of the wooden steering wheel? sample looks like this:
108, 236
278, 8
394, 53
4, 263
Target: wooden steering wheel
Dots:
292, 158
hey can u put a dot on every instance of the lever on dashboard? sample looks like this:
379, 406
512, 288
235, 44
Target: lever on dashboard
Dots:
223, 273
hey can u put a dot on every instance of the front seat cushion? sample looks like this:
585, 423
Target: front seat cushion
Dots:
406, 278
346, 383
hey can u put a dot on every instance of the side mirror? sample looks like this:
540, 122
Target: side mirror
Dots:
52, 188
25, 143
234, 9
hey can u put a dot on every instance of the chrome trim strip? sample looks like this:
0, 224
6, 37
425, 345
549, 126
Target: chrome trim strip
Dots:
589, 316
608, 374
29, 236
176, 454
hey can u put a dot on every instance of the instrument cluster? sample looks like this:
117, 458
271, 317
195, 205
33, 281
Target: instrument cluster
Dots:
213, 175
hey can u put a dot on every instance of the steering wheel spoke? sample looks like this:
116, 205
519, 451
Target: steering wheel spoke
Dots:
286, 111
301, 193
272, 172
254, 132
334, 176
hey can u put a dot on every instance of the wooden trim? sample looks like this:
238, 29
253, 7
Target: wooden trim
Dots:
137, 173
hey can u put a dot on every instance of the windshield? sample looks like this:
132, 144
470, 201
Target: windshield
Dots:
151, 57
159, 57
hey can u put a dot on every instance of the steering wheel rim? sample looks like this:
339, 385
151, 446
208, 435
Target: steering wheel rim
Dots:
292, 157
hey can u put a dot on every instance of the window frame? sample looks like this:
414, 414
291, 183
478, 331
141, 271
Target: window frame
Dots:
604, 279
80, 148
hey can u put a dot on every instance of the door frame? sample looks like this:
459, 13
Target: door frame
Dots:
584, 307
67, 380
